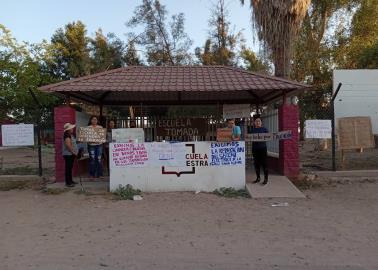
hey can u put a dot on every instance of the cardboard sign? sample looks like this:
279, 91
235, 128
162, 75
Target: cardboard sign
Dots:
224, 134
181, 127
17, 135
355, 133
127, 135
318, 129
231, 111
91, 135
264, 137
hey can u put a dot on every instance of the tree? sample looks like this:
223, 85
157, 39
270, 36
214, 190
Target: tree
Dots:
131, 57
69, 50
107, 52
277, 23
165, 43
22, 70
358, 42
253, 63
220, 47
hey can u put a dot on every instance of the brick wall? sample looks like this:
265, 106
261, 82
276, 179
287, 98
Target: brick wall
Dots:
62, 115
289, 151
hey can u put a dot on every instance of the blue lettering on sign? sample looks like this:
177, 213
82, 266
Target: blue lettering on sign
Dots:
228, 153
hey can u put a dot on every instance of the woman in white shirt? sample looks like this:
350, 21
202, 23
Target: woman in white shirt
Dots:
95, 152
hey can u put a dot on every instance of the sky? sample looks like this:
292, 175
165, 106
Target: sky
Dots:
35, 20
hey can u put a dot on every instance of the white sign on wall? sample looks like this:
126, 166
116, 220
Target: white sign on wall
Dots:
318, 129
127, 135
17, 135
190, 166
231, 111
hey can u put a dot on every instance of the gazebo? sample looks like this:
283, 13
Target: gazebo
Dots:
183, 85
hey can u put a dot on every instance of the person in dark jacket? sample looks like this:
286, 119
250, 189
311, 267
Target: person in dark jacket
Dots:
259, 151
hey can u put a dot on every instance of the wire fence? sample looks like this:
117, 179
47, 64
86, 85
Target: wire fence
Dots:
316, 154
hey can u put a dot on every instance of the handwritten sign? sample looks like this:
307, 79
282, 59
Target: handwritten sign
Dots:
167, 154
318, 129
231, 111
91, 135
17, 135
264, 137
126, 135
224, 134
223, 154
355, 133
182, 127
129, 154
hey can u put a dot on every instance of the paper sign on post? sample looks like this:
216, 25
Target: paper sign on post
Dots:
17, 135
127, 135
318, 129
91, 134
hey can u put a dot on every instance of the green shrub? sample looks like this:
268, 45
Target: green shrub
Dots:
126, 192
231, 192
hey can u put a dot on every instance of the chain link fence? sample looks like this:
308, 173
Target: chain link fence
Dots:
23, 160
316, 154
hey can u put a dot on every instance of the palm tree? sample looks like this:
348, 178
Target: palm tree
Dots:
277, 23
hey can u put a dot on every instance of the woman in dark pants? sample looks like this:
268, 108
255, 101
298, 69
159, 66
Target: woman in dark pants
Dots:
95, 152
69, 152
259, 151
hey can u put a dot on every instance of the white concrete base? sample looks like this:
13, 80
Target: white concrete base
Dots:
278, 187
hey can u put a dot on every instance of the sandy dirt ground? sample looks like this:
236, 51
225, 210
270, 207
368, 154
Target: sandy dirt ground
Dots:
24, 160
314, 159
334, 228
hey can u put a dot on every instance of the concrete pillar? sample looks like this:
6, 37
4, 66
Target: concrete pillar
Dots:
288, 117
62, 114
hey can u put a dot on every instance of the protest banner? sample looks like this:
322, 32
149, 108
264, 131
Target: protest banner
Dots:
91, 134
318, 129
17, 135
224, 134
264, 137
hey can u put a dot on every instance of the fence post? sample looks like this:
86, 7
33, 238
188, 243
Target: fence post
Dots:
333, 127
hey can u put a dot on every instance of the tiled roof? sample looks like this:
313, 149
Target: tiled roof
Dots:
138, 81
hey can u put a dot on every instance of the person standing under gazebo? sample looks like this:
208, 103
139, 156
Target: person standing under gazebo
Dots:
69, 152
260, 151
95, 152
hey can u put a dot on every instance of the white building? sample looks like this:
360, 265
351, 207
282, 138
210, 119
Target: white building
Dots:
358, 95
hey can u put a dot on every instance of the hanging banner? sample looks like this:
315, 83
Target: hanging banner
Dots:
182, 166
182, 127
91, 135
127, 135
231, 111
129, 154
17, 135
